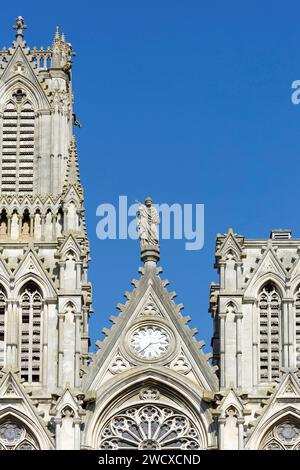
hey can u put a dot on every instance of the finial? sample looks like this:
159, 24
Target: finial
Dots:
19, 27
56, 35
147, 225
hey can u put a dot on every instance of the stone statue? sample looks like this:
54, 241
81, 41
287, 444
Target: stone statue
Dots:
147, 223
3, 229
26, 229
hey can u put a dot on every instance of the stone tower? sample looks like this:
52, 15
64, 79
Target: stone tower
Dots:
256, 343
149, 385
45, 298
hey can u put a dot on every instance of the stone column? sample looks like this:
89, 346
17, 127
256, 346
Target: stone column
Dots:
238, 265
222, 317
77, 317
238, 317
291, 333
15, 334
77, 424
9, 333
84, 273
221, 425
78, 274
20, 218
60, 349
62, 265
45, 344
85, 320
31, 232
285, 330
240, 423
54, 221
58, 422
222, 265
51, 176
65, 221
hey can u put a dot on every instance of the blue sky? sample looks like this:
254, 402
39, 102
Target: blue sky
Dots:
189, 102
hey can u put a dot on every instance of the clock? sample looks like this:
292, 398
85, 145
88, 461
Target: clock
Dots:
150, 342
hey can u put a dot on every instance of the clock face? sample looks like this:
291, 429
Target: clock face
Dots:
150, 342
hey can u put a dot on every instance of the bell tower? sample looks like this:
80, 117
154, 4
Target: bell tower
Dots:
36, 110
44, 251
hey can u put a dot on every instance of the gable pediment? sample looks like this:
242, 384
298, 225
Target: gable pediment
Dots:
151, 304
269, 266
32, 268
18, 73
15, 402
230, 244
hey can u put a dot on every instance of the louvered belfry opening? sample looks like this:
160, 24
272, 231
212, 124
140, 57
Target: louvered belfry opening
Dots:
18, 134
269, 333
31, 323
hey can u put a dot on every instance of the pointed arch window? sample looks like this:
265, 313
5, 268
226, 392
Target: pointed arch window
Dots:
18, 133
284, 435
15, 436
2, 325
269, 303
30, 341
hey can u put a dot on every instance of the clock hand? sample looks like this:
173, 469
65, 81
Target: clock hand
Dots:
145, 347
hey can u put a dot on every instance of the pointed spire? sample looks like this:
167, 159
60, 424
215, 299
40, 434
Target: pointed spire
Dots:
56, 36
19, 27
72, 172
147, 225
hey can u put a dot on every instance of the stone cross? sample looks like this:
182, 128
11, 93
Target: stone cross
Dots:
20, 26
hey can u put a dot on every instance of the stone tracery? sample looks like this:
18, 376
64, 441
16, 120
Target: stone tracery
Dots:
149, 427
15, 436
283, 436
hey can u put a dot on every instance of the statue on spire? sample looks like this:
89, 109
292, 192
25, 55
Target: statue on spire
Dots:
20, 26
147, 223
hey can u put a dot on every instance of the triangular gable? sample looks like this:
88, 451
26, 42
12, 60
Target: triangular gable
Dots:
289, 388
31, 266
230, 243
66, 400
150, 295
19, 69
72, 192
231, 400
70, 243
16, 402
268, 265
284, 401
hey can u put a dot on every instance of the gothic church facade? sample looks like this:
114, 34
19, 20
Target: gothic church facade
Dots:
54, 394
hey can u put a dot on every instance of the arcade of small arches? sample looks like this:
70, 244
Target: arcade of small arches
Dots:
37, 224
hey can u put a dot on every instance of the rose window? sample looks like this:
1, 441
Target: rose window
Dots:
149, 427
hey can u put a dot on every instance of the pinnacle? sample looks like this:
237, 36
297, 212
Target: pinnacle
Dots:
72, 173
56, 36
